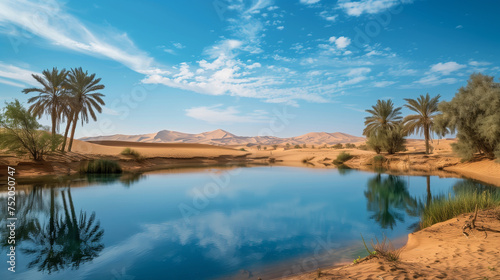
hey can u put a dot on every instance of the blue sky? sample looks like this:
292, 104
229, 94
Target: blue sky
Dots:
258, 67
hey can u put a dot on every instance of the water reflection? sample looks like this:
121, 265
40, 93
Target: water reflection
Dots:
127, 179
49, 230
263, 217
388, 198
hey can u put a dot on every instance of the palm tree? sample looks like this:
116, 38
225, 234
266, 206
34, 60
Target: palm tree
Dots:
49, 99
383, 117
424, 120
85, 99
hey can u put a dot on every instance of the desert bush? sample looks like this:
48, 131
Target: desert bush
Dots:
297, 147
21, 133
343, 157
378, 159
242, 149
101, 166
350, 146
394, 140
363, 147
131, 152
474, 114
338, 146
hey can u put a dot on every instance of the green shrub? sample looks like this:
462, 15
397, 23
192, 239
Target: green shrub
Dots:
379, 159
131, 152
101, 166
297, 147
242, 149
343, 157
337, 146
444, 208
363, 147
350, 146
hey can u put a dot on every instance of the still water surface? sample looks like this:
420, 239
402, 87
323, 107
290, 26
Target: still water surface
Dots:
239, 223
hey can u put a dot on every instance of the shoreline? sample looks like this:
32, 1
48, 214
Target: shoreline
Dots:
440, 251
177, 156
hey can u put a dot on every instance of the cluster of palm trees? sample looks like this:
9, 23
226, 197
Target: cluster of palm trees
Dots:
69, 96
385, 120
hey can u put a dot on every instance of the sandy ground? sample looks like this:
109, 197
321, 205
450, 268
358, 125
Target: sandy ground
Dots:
441, 251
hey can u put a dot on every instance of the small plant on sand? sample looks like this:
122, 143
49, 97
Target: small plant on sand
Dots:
242, 149
355, 261
342, 157
130, 152
307, 159
379, 159
101, 166
383, 249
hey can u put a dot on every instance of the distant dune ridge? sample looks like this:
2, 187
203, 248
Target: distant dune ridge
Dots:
222, 137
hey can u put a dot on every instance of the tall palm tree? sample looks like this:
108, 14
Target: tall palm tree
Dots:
49, 99
383, 117
86, 100
427, 108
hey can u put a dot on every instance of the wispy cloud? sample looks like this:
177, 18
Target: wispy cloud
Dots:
217, 114
357, 8
434, 80
309, 2
16, 76
49, 20
383, 84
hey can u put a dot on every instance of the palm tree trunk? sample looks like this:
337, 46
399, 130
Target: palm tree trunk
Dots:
66, 131
427, 136
54, 121
75, 120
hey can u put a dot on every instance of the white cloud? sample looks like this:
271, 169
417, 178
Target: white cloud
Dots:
479, 63
254, 65
217, 114
11, 83
309, 2
383, 84
341, 42
21, 76
327, 16
357, 8
280, 27
63, 30
459, 27
358, 71
446, 68
434, 80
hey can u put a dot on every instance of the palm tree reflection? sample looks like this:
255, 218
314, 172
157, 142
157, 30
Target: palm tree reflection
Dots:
67, 240
388, 198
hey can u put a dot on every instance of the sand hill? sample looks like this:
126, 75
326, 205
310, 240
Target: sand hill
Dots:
221, 137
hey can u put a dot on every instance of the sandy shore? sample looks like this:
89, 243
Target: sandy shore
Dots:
157, 156
441, 251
